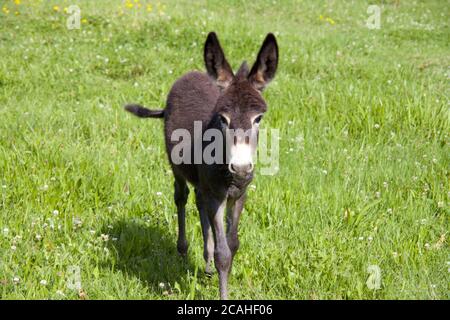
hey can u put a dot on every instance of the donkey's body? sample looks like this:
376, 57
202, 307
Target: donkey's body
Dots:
222, 101
197, 93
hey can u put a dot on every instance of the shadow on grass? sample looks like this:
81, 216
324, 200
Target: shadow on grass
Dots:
149, 253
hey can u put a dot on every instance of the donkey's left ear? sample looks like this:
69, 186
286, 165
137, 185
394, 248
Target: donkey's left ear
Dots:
263, 71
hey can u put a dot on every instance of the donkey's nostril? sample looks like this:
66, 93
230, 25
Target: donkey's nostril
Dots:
241, 169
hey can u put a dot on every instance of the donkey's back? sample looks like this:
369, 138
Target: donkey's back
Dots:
192, 98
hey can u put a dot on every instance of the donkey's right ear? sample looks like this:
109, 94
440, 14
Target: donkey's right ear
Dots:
215, 62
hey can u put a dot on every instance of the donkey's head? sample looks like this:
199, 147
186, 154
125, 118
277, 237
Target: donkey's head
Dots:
240, 107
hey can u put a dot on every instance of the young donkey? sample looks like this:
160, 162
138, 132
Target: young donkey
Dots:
227, 103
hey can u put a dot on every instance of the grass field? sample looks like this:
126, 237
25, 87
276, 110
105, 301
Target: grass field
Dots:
364, 163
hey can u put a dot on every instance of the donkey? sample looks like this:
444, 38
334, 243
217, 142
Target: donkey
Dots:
225, 102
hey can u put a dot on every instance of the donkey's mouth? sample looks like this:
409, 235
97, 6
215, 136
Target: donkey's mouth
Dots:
244, 176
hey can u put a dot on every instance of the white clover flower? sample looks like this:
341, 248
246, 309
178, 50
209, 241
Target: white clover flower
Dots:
77, 223
43, 282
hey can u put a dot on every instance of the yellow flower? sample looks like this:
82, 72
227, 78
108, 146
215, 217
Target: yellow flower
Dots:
84, 20
330, 20
17, 13
149, 8
129, 5
55, 8
66, 10
17, 2
5, 10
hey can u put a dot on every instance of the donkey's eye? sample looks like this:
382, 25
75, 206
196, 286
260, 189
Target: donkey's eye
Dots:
258, 119
223, 120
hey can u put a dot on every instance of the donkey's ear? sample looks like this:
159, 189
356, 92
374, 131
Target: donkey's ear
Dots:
215, 62
263, 71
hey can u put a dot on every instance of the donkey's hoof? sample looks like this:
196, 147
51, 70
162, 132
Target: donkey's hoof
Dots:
182, 249
209, 272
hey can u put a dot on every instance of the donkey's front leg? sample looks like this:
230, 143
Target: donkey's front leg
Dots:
222, 253
234, 209
208, 241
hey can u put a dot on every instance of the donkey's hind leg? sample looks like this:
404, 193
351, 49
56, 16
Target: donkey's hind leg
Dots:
181, 196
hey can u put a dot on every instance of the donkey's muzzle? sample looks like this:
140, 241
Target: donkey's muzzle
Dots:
241, 169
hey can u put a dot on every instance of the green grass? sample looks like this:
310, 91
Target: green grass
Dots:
364, 152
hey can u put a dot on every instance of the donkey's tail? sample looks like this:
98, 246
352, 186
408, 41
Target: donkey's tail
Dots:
142, 112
